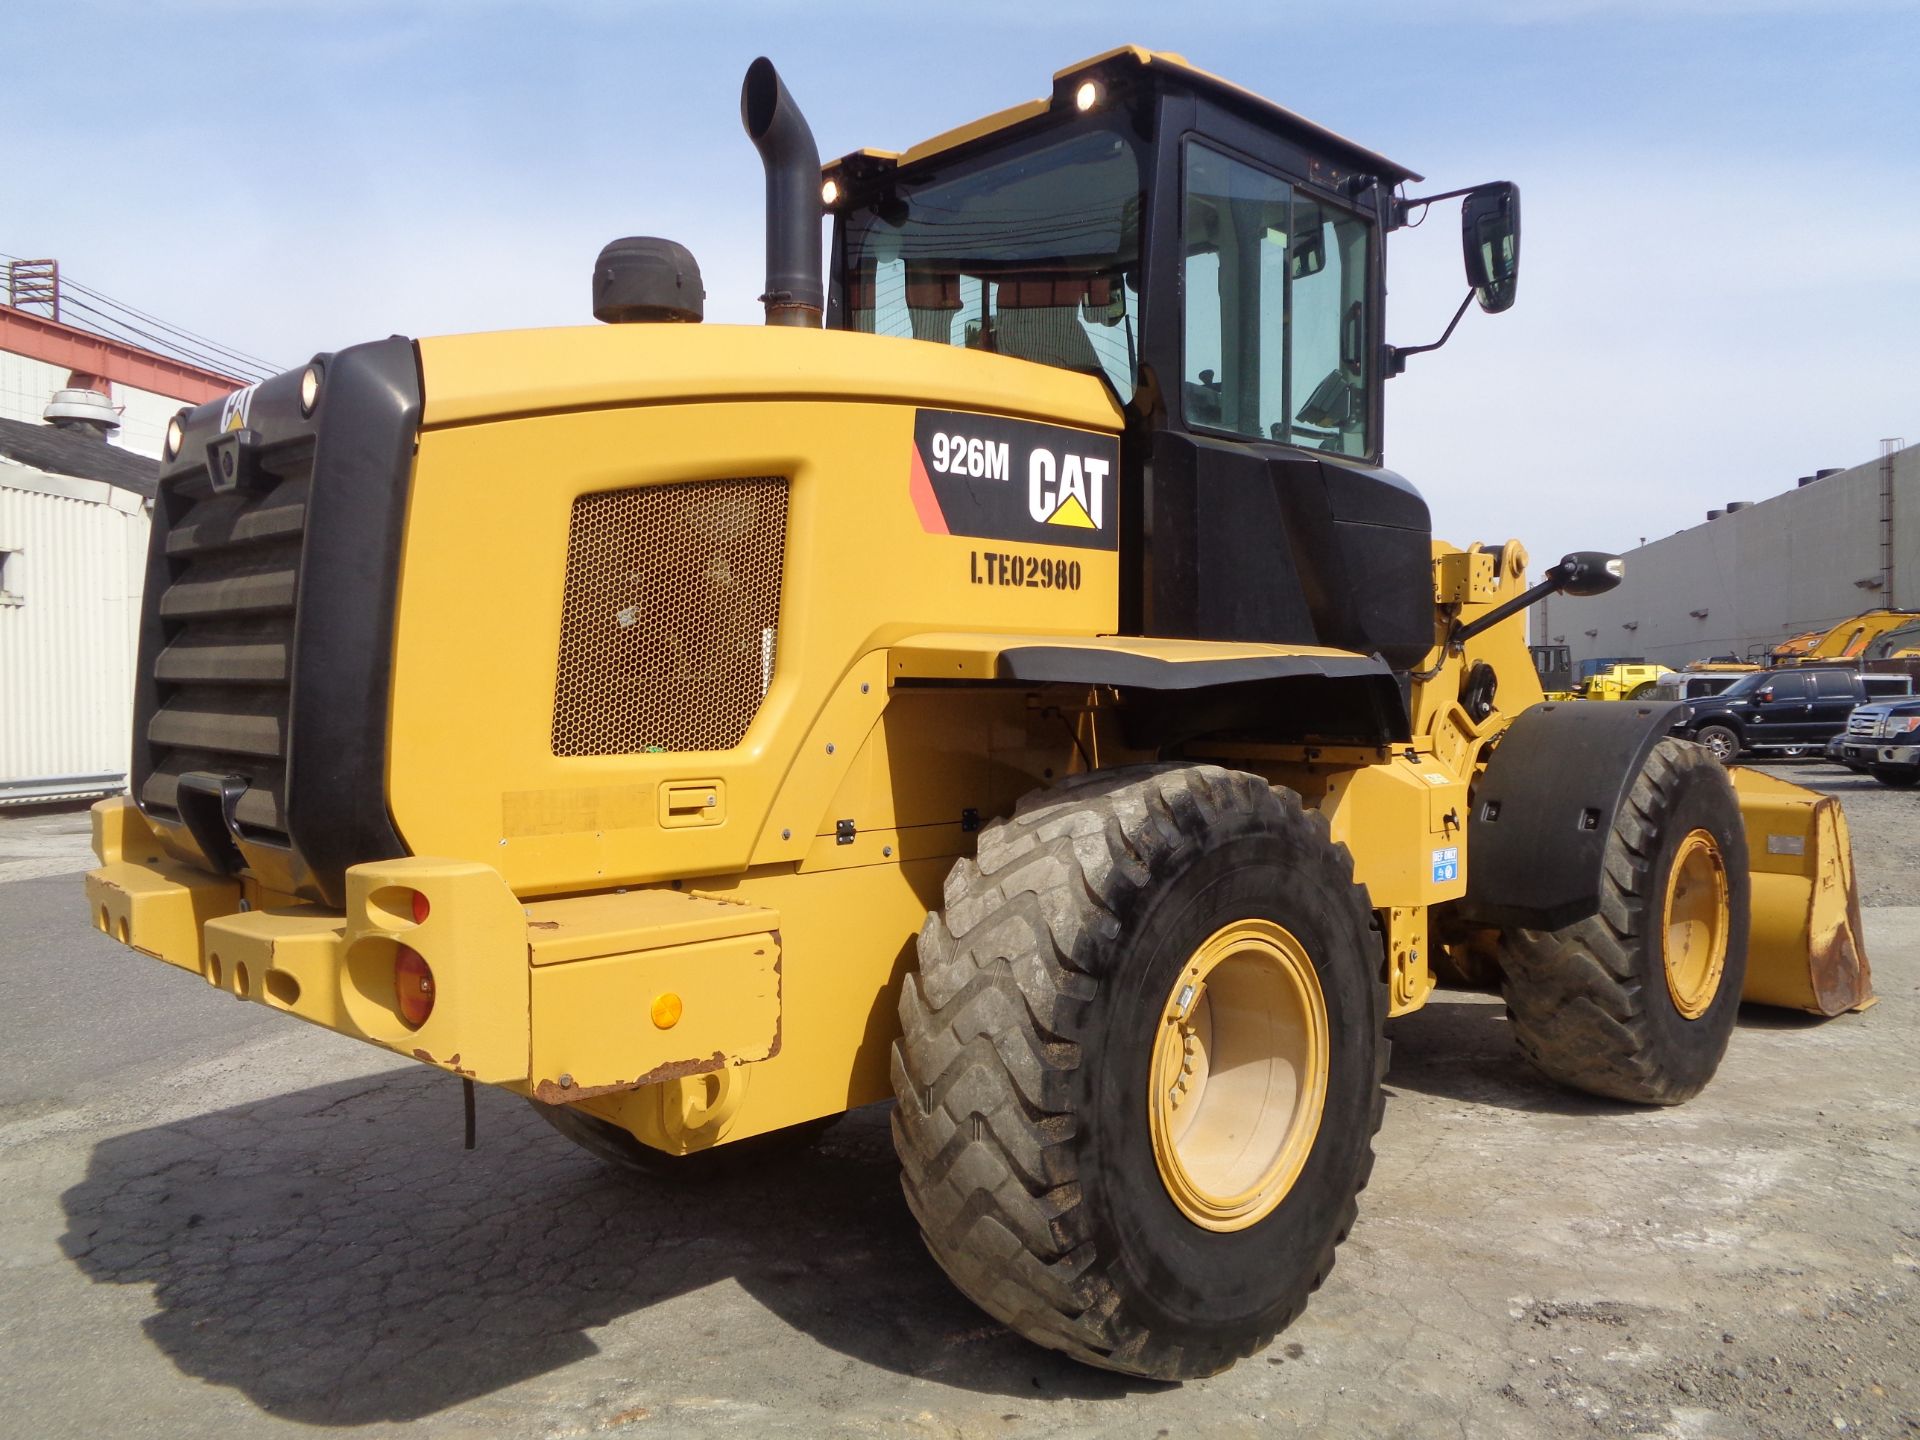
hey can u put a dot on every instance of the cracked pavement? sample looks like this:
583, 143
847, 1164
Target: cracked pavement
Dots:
215, 1220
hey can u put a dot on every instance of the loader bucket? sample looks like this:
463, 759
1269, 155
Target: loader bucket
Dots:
1804, 947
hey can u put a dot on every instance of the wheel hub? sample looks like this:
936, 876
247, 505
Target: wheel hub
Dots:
1239, 1075
1694, 938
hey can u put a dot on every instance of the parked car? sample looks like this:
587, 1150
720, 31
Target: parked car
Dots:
1883, 739
1694, 685
1783, 711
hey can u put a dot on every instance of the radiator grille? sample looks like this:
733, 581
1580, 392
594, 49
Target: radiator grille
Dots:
222, 680
1863, 724
668, 620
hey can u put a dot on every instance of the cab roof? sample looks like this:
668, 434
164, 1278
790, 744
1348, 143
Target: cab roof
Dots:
1129, 61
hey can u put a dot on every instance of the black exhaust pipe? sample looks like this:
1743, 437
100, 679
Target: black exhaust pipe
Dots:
794, 295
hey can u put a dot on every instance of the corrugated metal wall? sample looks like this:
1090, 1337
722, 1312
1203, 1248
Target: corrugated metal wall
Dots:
74, 554
1794, 562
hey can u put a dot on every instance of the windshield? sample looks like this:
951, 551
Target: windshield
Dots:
1034, 252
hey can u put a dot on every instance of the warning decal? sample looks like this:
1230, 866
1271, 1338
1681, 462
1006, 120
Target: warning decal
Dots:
1004, 479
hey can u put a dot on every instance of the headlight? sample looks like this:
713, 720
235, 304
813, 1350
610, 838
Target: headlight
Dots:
1900, 724
309, 389
176, 436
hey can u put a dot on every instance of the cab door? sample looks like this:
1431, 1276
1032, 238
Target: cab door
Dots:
1783, 711
1834, 696
1266, 513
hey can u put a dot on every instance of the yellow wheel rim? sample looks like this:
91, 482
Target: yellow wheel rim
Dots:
1694, 936
1239, 1078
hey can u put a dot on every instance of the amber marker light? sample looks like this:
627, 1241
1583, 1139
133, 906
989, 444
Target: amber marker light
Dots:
412, 986
666, 1011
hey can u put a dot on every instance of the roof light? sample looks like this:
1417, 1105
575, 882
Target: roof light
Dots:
1087, 96
829, 192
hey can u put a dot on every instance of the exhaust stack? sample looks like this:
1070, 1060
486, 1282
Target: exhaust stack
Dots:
794, 295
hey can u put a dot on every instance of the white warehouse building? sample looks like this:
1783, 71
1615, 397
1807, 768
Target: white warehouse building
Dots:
74, 508
1755, 575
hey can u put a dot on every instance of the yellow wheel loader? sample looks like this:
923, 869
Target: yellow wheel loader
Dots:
1008, 683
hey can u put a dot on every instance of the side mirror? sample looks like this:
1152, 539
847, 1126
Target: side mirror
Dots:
1764, 695
1587, 572
1490, 243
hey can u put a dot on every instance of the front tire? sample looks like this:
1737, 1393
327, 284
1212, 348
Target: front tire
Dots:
1722, 740
1896, 777
1076, 1161
1638, 1002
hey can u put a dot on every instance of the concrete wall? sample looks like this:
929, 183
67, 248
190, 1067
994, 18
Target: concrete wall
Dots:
1786, 565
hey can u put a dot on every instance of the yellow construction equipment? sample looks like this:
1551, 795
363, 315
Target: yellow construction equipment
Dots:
1805, 951
1622, 682
1007, 684
1848, 640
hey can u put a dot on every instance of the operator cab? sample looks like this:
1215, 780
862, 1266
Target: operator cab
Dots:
1218, 262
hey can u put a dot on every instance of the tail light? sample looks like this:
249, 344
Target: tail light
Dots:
412, 986
412, 976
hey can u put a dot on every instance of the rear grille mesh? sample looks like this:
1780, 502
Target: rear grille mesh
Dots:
667, 625
223, 678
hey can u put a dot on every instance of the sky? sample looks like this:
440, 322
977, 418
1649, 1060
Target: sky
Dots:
1720, 276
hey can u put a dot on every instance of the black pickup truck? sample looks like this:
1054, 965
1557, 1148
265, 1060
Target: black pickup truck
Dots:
1791, 711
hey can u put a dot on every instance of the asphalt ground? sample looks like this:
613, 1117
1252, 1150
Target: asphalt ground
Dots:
214, 1220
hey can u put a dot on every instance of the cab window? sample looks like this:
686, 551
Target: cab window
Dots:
1033, 251
1276, 327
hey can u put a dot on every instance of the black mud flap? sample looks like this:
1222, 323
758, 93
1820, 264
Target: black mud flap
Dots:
1542, 810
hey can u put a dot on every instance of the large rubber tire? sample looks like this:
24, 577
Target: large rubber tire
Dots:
1896, 777
1591, 1003
618, 1150
1643, 690
1022, 1070
1722, 740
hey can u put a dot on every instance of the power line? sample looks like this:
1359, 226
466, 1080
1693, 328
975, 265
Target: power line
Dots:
160, 344
187, 335
111, 316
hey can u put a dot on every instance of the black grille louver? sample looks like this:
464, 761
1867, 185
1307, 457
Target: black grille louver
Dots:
266, 641
223, 681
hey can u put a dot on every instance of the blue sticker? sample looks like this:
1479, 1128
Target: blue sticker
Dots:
1446, 864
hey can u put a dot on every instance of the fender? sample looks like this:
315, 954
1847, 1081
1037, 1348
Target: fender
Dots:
1177, 689
1543, 808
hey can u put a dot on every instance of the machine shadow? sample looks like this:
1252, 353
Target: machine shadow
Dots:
1459, 1046
336, 1257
